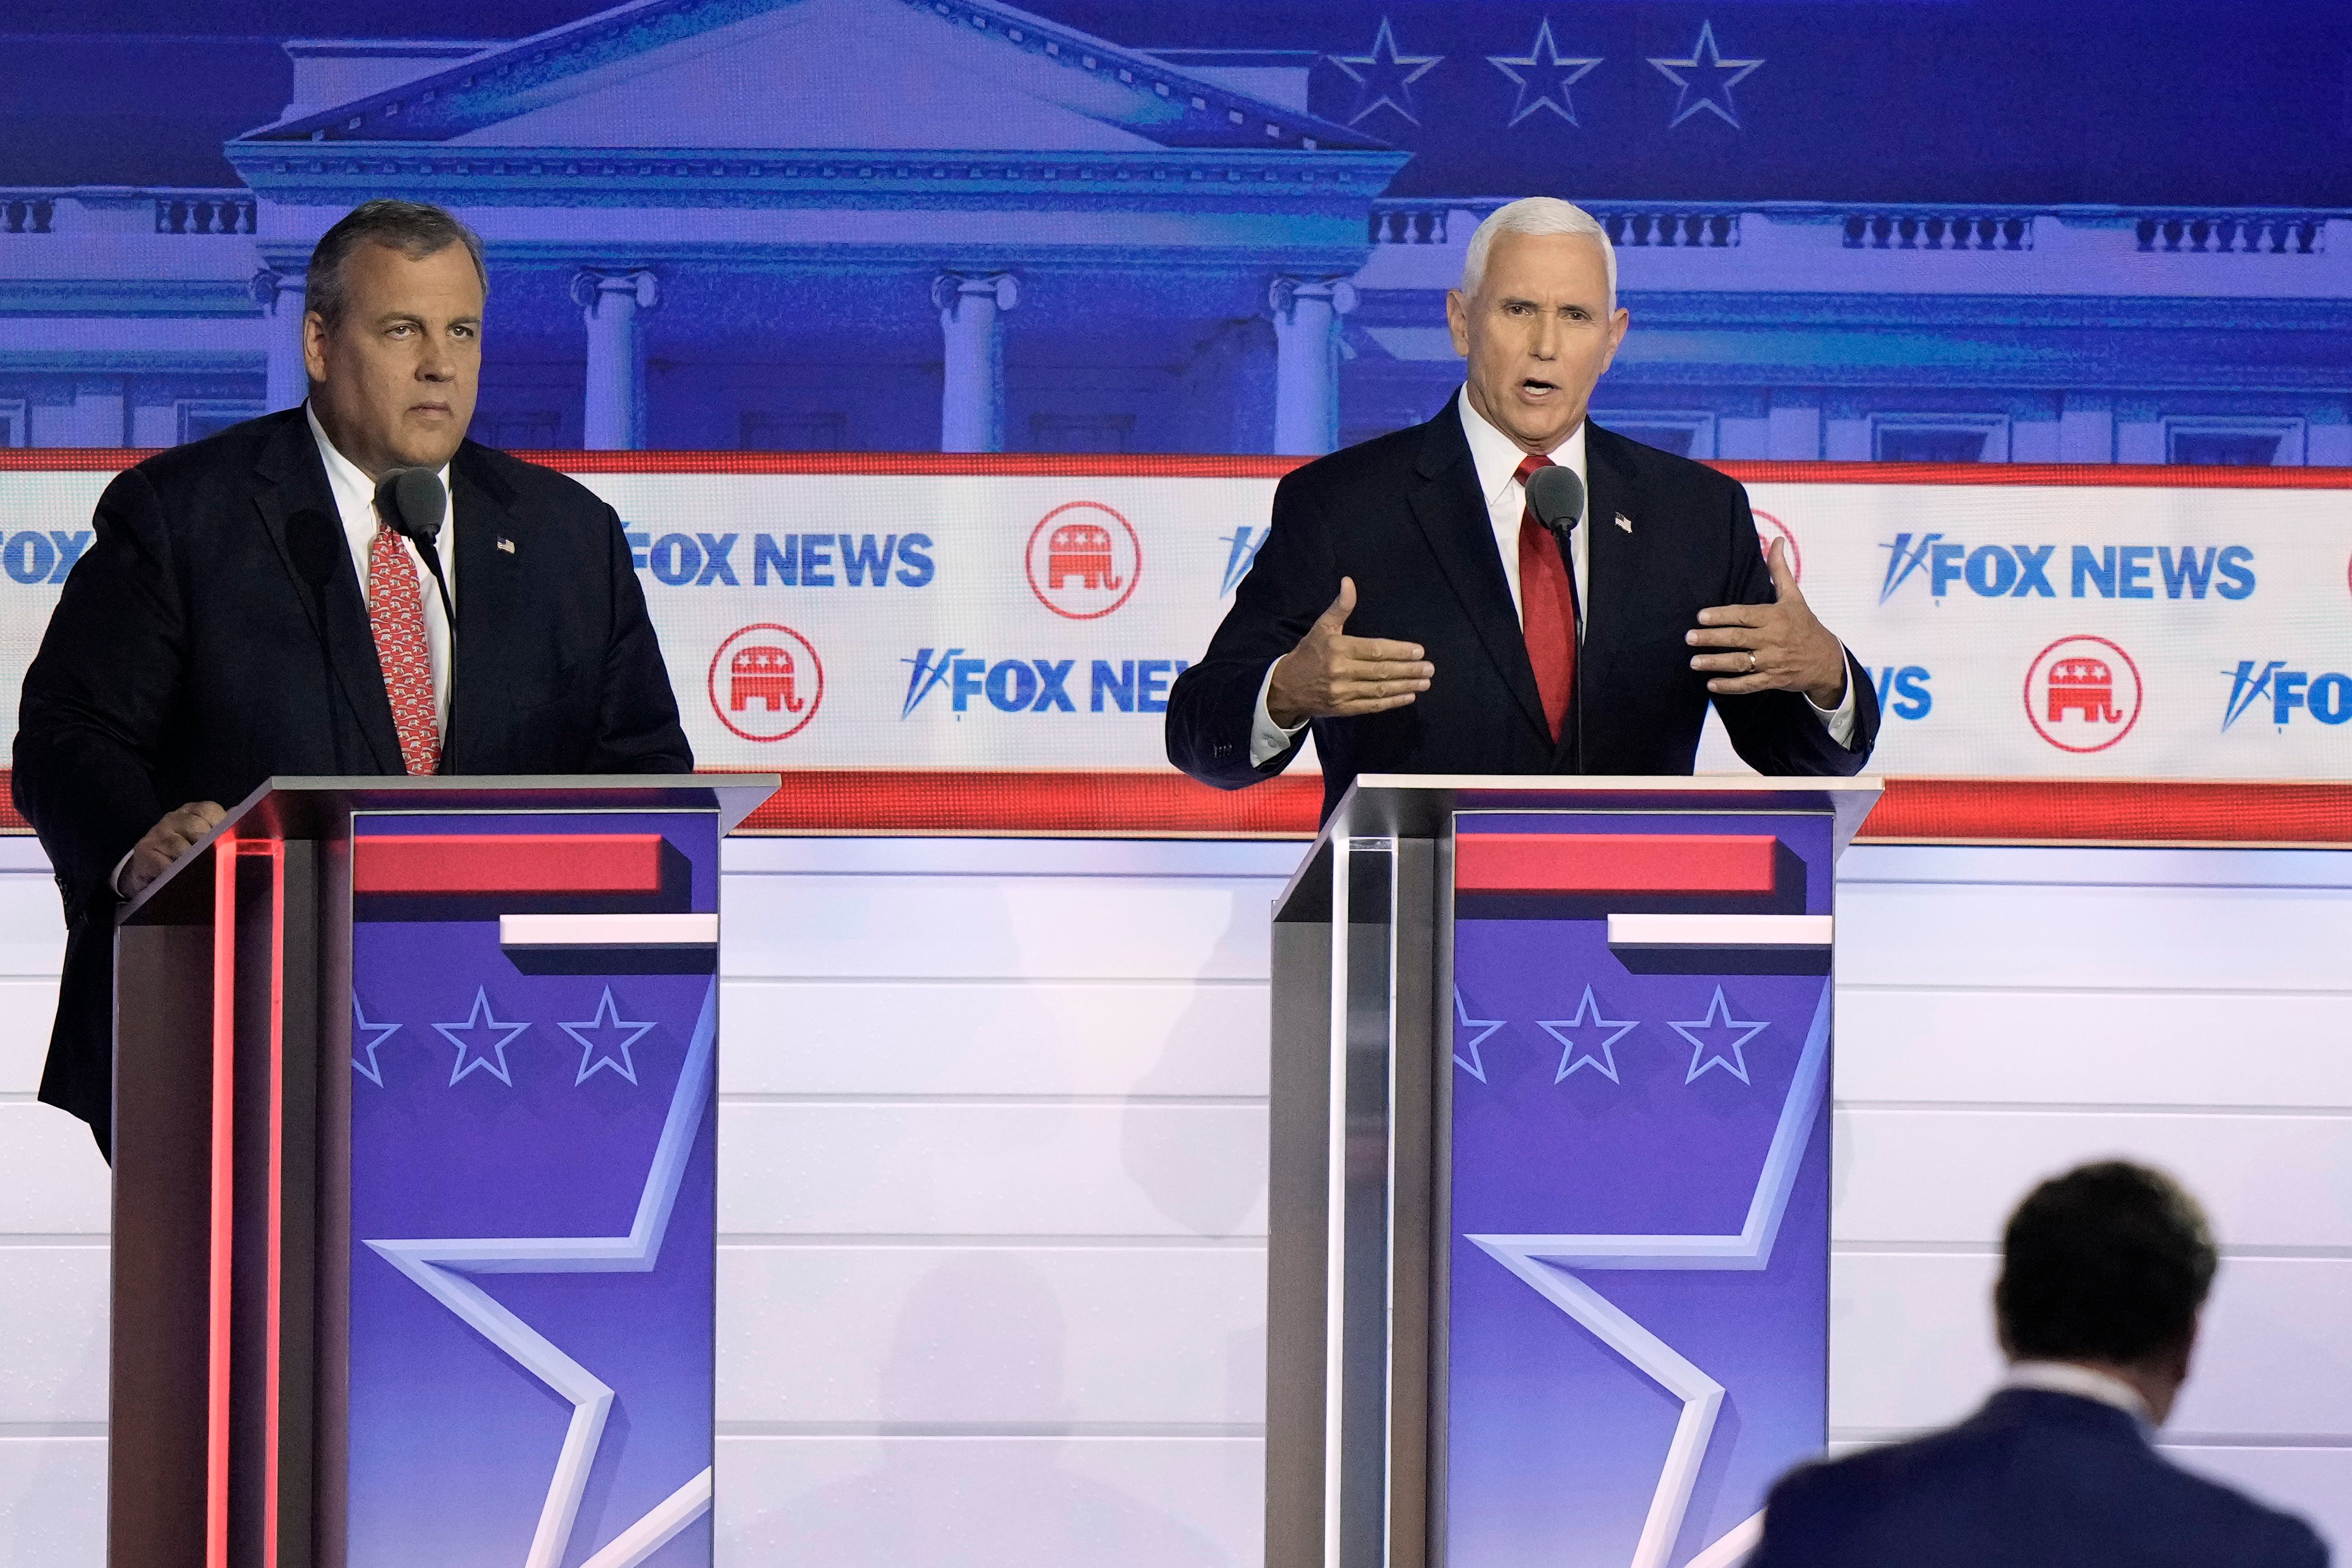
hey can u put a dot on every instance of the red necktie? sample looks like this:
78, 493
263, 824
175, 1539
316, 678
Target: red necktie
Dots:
396, 616
1547, 607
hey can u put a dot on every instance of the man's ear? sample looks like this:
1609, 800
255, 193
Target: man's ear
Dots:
1457, 322
314, 345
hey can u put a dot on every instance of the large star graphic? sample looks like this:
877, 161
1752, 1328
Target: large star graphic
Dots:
1543, 57
1550, 1266
372, 1070
1716, 75
491, 1058
443, 1268
1704, 1055
595, 1057
1463, 1021
1384, 78
1572, 1056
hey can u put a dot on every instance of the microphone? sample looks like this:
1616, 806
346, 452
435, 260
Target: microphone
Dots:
414, 502
1557, 497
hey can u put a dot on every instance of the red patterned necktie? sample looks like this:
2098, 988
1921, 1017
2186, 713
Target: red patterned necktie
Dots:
396, 616
1547, 607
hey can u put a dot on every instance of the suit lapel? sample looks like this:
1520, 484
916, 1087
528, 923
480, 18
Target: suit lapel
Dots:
1445, 502
489, 586
1613, 556
294, 479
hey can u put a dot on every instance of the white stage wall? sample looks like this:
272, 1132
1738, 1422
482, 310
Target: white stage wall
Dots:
992, 1178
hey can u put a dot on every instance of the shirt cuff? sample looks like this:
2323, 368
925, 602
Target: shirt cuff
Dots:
1269, 740
114, 880
1840, 720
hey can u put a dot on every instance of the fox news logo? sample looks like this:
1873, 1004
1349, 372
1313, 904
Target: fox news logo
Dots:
1038, 685
2326, 697
31, 557
1241, 546
790, 560
2107, 571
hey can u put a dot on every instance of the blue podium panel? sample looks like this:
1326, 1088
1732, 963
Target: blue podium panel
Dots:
1637, 1254
533, 1165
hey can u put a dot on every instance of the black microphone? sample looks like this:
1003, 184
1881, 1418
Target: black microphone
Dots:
414, 502
1557, 497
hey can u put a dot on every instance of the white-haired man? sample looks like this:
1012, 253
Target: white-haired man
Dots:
1411, 608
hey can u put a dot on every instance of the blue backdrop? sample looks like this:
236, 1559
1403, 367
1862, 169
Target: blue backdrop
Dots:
1955, 230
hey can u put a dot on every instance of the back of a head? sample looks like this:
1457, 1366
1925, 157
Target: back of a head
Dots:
2109, 1262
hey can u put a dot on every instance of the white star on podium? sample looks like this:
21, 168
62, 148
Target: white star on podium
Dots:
1572, 1056
1543, 56
370, 1068
594, 1058
1714, 91
1705, 1056
492, 1060
1476, 1067
444, 1267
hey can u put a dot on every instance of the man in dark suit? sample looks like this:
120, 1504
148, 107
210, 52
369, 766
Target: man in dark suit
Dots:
245, 611
1409, 606
2104, 1271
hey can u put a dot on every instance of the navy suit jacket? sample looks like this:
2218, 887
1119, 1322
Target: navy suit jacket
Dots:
2035, 1479
1402, 515
185, 662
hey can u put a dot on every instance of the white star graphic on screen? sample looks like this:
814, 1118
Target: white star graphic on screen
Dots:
1705, 1056
1544, 65
444, 1267
595, 1057
1716, 78
370, 1069
490, 1059
1573, 1055
1384, 78
1476, 1067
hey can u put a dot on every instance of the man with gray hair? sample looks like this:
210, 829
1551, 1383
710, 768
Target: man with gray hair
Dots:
1426, 604
258, 603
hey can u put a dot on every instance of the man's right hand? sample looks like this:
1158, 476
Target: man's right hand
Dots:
166, 842
1331, 675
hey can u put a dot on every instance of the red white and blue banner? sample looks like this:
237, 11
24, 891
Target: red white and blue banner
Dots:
917, 613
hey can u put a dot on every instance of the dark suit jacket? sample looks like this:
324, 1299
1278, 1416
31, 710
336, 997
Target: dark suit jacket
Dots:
1402, 515
184, 663
2035, 1479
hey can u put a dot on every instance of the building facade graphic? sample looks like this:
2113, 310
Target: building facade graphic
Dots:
953, 225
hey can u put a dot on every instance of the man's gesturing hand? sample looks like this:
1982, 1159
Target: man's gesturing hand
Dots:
166, 842
1771, 647
1331, 675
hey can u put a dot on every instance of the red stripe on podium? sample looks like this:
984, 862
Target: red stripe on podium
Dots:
508, 863
1613, 863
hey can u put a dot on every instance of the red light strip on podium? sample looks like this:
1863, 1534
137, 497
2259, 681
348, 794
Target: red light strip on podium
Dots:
1613, 863
506, 863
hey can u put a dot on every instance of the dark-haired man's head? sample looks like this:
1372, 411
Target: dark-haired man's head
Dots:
2107, 1266
393, 335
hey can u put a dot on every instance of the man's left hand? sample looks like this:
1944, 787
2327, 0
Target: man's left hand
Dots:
1777, 646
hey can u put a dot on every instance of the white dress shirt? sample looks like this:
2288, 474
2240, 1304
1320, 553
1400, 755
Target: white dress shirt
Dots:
2083, 1382
356, 501
1497, 458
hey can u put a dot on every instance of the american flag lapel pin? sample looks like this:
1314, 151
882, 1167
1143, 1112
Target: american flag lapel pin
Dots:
506, 544
1624, 522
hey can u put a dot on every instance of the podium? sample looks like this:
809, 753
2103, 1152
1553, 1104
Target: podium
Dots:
1548, 1267
414, 1188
